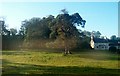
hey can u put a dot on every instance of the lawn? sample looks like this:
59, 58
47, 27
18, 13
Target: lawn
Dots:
42, 62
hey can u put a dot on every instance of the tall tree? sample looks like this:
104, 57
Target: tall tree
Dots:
113, 37
87, 33
3, 31
61, 28
64, 27
36, 28
13, 31
96, 34
64, 11
22, 31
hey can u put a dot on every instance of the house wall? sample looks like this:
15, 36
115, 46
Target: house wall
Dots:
101, 46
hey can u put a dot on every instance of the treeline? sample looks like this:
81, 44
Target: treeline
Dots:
47, 32
50, 32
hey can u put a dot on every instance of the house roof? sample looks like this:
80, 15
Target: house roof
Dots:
98, 40
111, 42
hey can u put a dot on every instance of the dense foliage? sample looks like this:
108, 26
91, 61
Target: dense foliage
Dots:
51, 32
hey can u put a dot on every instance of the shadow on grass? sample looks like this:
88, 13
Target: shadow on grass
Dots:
20, 69
15, 53
92, 54
97, 55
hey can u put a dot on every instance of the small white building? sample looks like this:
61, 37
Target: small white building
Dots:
99, 44
104, 44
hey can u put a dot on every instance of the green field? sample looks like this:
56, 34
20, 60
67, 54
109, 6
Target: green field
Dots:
55, 63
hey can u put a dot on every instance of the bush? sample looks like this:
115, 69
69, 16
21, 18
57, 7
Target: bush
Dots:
112, 49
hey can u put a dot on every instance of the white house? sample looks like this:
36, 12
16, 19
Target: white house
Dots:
99, 44
104, 44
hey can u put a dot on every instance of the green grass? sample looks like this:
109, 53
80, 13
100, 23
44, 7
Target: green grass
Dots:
48, 63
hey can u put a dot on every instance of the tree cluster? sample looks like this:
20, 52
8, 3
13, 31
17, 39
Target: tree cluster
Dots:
58, 32
61, 29
10, 38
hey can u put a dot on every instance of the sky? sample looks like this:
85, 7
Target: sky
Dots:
99, 16
59, 0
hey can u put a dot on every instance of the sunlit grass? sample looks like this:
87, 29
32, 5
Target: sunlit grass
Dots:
53, 62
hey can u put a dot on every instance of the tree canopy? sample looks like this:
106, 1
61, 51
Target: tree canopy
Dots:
62, 27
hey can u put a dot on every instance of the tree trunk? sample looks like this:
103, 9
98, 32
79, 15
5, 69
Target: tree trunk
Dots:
66, 49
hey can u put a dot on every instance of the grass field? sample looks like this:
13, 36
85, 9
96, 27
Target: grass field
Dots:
55, 63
